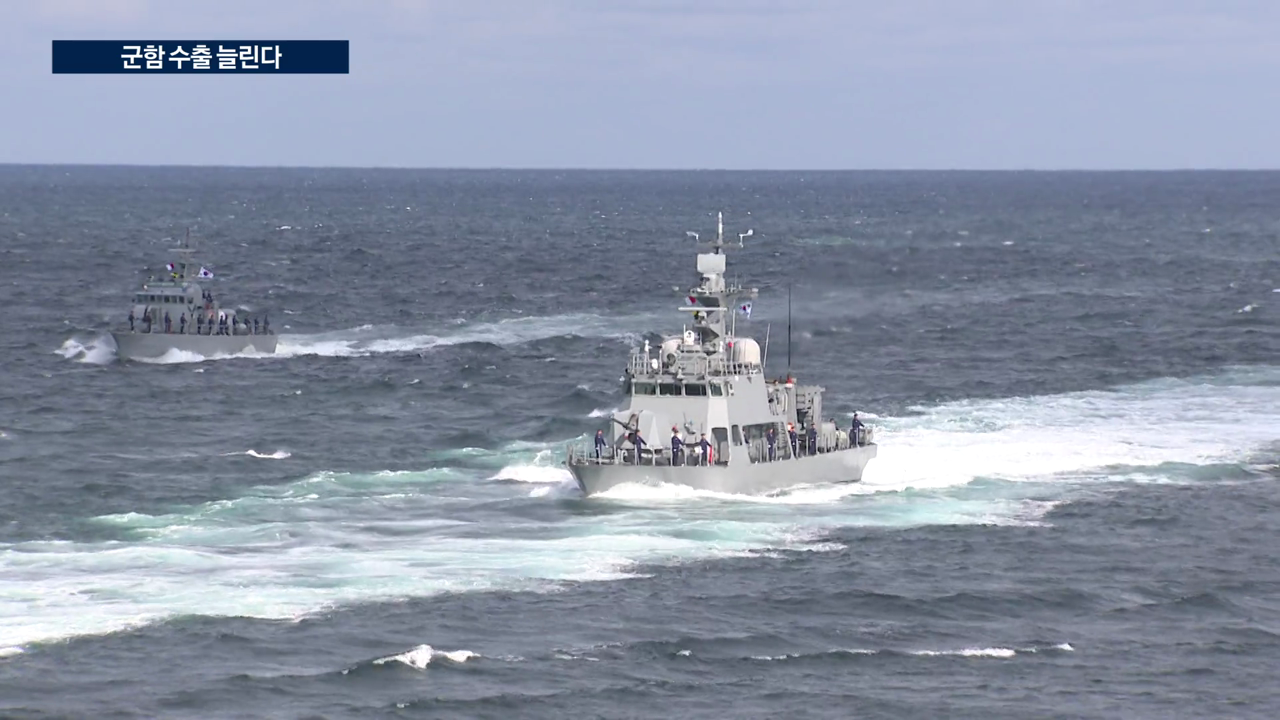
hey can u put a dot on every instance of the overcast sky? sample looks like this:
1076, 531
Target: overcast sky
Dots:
759, 84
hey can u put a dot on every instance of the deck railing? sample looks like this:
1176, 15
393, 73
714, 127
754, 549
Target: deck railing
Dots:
583, 452
693, 365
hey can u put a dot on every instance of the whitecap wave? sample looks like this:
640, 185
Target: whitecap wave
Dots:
277, 455
98, 350
989, 652
423, 655
534, 474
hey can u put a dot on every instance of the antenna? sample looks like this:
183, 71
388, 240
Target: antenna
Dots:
788, 331
719, 227
746, 234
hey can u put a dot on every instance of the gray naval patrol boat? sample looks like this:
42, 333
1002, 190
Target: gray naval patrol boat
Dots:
702, 413
177, 313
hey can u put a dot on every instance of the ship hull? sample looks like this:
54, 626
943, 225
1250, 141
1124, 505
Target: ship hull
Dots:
841, 466
150, 346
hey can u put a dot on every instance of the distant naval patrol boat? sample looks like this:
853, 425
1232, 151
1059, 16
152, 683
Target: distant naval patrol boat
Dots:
732, 430
176, 313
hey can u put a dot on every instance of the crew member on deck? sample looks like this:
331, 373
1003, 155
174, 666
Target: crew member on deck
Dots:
855, 430
705, 446
771, 437
130, 319
599, 443
677, 445
638, 442
795, 442
813, 439
182, 324
168, 322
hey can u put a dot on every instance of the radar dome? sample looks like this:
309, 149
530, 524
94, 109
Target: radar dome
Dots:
746, 351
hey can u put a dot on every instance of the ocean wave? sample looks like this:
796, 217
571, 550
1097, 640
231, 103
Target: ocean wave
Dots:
423, 655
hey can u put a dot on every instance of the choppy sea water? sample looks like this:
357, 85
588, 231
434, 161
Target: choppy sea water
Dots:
1074, 511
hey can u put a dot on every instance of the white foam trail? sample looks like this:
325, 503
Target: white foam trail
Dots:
534, 474
99, 350
996, 652
514, 331
333, 539
174, 356
1034, 438
421, 656
277, 455
358, 342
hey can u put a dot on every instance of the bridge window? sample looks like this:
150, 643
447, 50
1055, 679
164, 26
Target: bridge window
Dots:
695, 389
644, 388
717, 390
668, 389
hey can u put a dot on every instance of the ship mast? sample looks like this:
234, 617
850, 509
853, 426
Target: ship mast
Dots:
714, 297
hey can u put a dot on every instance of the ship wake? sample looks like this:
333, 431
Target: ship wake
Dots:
477, 520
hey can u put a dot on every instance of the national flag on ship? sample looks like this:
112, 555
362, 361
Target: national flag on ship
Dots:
204, 273
745, 309
170, 266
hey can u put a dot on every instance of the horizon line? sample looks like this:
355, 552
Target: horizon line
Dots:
536, 168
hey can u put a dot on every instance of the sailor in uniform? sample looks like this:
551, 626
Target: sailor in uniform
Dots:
771, 437
130, 319
855, 430
813, 440
599, 443
677, 445
795, 442
638, 442
705, 446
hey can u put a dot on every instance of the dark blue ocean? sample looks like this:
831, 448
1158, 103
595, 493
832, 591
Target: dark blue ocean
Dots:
1074, 380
